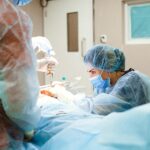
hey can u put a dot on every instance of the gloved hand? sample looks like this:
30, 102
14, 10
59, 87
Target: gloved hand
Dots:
62, 94
47, 64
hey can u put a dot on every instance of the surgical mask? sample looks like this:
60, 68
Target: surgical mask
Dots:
21, 2
99, 84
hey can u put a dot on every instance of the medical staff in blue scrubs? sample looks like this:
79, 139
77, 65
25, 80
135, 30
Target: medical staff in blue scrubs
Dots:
114, 88
19, 86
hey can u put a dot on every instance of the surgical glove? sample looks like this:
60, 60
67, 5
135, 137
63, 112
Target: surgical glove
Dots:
62, 94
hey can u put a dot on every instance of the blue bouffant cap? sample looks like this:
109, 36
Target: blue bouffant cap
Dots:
105, 57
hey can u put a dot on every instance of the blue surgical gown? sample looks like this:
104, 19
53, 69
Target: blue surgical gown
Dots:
131, 90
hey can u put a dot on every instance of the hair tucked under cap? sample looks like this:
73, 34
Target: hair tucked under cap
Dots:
105, 57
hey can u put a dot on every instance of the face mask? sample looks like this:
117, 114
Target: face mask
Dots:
99, 84
21, 2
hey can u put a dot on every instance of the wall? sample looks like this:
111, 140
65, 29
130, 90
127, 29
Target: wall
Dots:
70, 63
109, 20
35, 11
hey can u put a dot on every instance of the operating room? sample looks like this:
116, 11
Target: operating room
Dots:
74, 74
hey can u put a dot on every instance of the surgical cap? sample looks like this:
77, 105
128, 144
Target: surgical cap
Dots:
105, 57
42, 43
21, 2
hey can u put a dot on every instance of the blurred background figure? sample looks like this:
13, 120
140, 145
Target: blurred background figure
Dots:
45, 55
19, 86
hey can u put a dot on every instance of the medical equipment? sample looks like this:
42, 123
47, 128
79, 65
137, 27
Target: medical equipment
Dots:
73, 86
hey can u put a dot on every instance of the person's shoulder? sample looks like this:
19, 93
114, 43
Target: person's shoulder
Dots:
130, 75
135, 74
129, 78
141, 74
145, 78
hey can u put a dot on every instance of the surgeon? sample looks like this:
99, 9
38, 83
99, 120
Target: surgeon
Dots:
115, 89
47, 62
19, 113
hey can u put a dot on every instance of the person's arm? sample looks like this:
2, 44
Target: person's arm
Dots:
18, 78
103, 104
